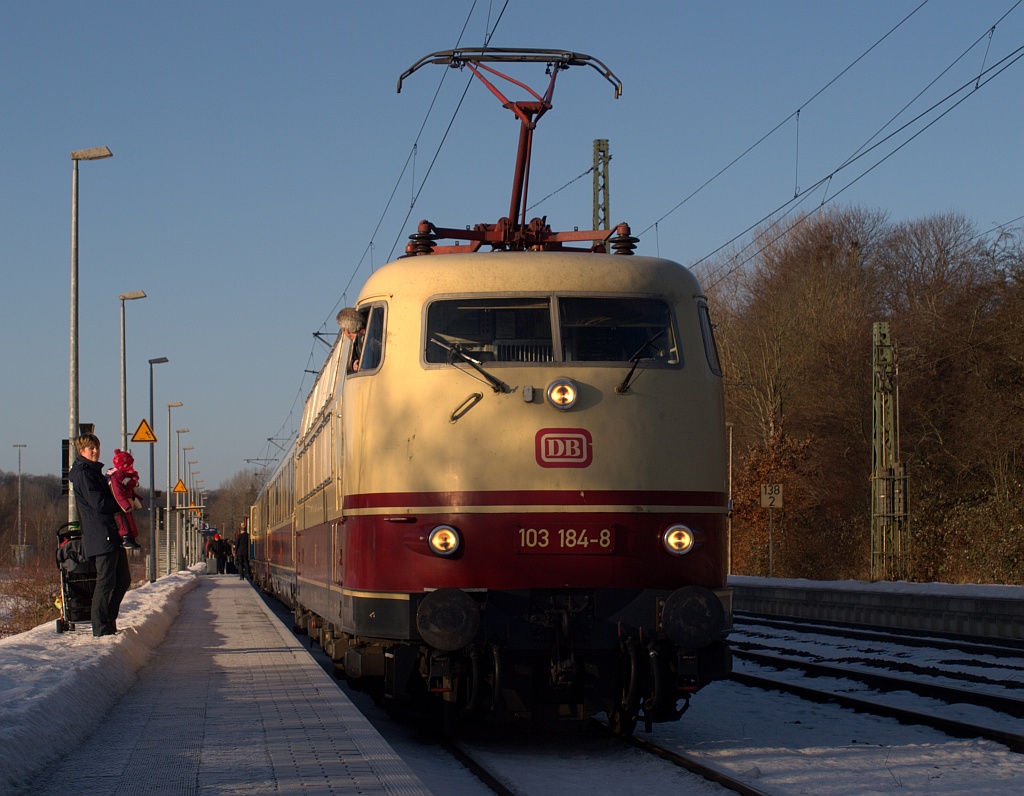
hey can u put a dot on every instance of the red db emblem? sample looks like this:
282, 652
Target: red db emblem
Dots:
564, 447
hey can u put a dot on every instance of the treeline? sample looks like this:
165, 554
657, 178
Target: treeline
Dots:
44, 509
794, 311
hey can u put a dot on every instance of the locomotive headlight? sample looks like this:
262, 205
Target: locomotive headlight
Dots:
444, 540
678, 540
562, 393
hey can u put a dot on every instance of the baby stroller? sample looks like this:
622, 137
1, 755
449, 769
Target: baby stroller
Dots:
77, 577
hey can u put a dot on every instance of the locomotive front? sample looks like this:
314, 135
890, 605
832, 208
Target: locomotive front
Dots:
535, 487
510, 492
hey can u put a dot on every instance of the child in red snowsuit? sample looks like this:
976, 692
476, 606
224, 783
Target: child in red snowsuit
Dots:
123, 480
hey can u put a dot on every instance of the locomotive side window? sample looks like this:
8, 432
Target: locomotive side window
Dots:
494, 329
373, 347
617, 330
367, 352
708, 333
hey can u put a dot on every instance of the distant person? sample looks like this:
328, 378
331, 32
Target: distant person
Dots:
219, 549
242, 553
123, 481
97, 509
353, 326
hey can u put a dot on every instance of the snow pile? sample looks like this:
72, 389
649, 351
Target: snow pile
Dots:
54, 688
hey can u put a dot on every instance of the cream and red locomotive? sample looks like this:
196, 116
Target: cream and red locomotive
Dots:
516, 504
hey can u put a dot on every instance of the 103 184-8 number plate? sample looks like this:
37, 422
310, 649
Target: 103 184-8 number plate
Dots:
571, 541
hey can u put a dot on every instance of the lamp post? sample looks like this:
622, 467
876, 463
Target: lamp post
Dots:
152, 476
135, 294
21, 526
96, 153
181, 502
200, 502
177, 498
167, 511
192, 492
196, 502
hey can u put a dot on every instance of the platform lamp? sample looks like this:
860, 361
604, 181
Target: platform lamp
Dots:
123, 297
201, 497
21, 525
96, 153
167, 510
182, 502
186, 518
200, 502
152, 476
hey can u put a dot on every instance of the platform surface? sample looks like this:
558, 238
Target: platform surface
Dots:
230, 703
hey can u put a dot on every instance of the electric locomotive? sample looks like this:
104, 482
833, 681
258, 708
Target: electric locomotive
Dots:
514, 503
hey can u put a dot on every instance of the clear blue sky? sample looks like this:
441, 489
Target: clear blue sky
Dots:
257, 145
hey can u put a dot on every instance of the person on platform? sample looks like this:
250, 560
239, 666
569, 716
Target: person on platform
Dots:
97, 509
220, 550
242, 553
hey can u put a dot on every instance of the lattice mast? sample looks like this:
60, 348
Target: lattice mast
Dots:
890, 535
602, 199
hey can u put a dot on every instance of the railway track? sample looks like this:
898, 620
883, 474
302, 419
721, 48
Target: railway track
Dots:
762, 755
877, 661
494, 779
689, 763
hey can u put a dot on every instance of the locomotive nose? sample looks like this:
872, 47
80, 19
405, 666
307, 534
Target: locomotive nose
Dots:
693, 617
448, 619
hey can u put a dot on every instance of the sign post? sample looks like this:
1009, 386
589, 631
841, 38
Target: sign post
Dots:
771, 499
144, 433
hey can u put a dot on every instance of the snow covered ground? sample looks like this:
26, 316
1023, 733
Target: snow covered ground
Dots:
53, 687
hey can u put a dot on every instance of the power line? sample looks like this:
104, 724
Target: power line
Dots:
300, 394
988, 74
795, 113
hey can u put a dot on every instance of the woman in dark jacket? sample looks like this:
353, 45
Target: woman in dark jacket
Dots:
100, 538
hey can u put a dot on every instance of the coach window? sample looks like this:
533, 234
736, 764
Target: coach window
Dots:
370, 353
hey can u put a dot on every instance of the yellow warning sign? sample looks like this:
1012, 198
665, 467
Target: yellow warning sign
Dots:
180, 487
144, 433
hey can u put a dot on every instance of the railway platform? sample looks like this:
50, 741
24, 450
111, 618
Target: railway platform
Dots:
230, 703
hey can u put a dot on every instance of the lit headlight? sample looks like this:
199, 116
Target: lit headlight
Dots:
678, 540
444, 540
562, 393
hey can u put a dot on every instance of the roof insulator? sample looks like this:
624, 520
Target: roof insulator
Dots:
422, 241
622, 242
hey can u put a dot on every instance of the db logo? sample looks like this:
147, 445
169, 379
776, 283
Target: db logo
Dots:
564, 447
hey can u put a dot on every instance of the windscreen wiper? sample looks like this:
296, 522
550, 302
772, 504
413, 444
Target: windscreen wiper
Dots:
456, 351
623, 388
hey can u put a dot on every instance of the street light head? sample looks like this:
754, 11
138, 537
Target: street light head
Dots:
181, 431
176, 403
135, 294
159, 361
96, 153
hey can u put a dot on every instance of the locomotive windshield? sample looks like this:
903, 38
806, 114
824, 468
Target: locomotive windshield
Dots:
549, 329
